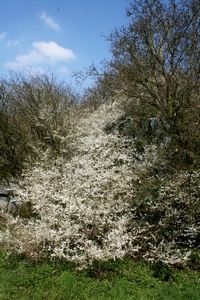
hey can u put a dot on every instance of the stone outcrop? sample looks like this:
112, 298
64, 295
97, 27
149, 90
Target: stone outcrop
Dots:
9, 203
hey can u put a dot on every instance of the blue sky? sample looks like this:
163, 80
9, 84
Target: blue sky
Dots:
60, 37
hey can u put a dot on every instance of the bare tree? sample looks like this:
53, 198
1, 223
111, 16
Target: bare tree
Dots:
156, 58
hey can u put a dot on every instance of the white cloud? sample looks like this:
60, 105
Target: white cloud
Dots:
13, 43
3, 35
49, 22
41, 53
53, 51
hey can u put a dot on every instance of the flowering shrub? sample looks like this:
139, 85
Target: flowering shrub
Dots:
83, 205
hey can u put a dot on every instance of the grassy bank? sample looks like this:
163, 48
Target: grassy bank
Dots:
23, 279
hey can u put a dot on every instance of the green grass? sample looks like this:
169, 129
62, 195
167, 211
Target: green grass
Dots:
121, 280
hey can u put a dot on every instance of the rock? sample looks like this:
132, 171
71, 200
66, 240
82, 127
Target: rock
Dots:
153, 124
8, 205
3, 203
5, 192
13, 205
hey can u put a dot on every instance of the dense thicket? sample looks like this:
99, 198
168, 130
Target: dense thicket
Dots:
34, 114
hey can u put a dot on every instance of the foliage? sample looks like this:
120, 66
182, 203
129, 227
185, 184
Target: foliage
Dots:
23, 279
194, 260
161, 271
